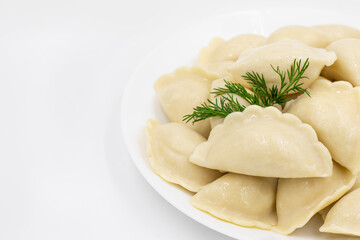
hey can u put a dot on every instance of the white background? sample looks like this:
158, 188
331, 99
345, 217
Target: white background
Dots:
64, 169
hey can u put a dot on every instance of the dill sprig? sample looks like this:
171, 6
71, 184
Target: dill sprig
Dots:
222, 107
261, 95
274, 95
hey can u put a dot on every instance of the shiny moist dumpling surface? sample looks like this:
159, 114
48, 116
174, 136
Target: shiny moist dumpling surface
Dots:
244, 200
299, 199
281, 54
347, 65
344, 217
264, 142
333, 110
309, 35
169, 147
181, 91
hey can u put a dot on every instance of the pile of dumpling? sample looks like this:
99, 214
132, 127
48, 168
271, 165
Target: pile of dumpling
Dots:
271, 168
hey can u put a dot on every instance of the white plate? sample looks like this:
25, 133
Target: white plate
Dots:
140, 103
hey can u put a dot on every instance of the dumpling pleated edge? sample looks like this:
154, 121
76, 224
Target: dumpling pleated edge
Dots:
262, 189
339, 174
200, 154
202, 176
327, 85
335, 219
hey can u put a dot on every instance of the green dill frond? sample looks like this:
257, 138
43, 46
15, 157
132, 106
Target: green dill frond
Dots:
295, 74
261, 95
238, 89
221, 107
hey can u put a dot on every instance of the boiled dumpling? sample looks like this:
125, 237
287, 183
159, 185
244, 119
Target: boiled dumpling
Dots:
282, 55
220, 54
336, 32
347, 65
240, 199
344, 217
299, 199
308, 35
169, 147
333, 110
221, 50
183, 90
220, 83
264, 142
325, 211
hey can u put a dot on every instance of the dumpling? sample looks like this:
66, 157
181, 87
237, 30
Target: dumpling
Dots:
221, 50
309, 35
220, 83
325, 211
220, 54
347, 65
344, 217
282, 55
336, 32
333, 110
169, 147
264, 142
299, 199
240, 199
183, 90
